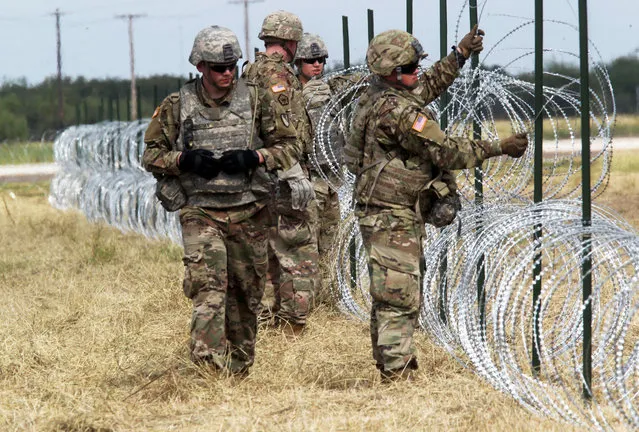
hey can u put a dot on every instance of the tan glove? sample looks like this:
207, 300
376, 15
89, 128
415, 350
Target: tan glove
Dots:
473, 42
515, 145
302, 192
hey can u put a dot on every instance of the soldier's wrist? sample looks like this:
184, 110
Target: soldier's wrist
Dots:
495, 148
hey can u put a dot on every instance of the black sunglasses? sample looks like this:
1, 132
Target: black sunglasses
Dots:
221, 68
313, 60
409, 68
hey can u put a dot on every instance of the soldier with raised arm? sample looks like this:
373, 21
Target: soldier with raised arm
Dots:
395, 150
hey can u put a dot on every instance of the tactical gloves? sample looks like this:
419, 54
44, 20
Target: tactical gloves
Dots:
515, 145
237, 161
473, 42
302, 192
200, 162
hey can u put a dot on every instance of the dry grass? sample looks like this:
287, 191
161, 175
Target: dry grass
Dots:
94, 338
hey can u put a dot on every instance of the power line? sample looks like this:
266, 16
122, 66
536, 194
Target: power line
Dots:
246, 23
134, 98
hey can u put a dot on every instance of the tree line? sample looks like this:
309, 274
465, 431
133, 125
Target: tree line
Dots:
31, 112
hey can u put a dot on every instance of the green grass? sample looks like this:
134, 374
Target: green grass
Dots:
625, 125
15, 153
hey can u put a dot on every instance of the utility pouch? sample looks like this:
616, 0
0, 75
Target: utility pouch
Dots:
170, 192
438, 205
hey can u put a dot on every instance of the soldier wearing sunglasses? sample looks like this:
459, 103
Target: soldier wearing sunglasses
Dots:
283, 121
310, 61
395, 150
206, 147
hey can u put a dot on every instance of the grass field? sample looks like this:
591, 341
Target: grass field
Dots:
625, 126
25, 152
95, 329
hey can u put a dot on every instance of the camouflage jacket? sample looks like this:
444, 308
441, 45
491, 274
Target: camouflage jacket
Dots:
394, 147
284, 126
162, 151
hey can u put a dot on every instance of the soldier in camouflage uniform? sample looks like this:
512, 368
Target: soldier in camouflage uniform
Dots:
211, 155
394, 149
310, 60
292, 240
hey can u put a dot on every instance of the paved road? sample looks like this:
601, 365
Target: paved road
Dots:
45, 171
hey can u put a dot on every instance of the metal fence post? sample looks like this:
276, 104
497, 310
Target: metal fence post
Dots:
586, 266
538, 172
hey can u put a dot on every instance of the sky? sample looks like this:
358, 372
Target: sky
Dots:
95, 43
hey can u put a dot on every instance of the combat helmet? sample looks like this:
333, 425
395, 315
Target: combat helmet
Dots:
311, 46
281, 25
215, 44
391, 49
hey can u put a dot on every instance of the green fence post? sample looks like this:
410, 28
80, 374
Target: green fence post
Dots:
586, 265
371, 25
347, 52
538, 180
443, 121
409, 16
479, 187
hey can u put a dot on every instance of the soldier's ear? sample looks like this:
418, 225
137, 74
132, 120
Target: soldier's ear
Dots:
201, 67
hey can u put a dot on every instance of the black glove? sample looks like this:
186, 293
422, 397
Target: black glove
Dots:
515, 145
200, 162
237, 161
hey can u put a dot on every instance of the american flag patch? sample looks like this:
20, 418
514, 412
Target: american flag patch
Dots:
277, 88
419, 123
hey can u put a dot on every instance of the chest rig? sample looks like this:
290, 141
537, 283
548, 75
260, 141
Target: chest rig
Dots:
218, 129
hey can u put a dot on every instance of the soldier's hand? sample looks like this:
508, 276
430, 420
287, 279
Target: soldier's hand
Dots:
473, 42
237, 161
200, 162
515, 145
302, 193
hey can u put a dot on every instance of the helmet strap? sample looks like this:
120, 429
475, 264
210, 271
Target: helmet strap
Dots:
398, 71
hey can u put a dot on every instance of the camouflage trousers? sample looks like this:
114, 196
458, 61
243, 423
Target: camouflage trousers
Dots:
328, 218
225, 268
292, 264
393, 241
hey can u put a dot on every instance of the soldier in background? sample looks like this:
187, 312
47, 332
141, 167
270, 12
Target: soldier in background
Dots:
310, 61
210, 154
292, 241
394, 150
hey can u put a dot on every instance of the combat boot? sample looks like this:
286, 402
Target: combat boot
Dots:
407, 373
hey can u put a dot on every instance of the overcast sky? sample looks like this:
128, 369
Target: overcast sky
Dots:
95, 43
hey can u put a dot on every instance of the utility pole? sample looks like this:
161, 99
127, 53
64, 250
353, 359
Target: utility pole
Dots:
57, 15
134, 98
247, 51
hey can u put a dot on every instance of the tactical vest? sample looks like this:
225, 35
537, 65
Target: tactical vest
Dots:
254, 73
318, 100
381, 174
218, 129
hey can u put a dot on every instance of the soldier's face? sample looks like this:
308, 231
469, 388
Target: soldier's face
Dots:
313, 69
410, 80
219, 75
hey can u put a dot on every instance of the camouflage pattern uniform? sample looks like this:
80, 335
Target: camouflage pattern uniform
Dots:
317, 94
225, 219
394, 150
292, 240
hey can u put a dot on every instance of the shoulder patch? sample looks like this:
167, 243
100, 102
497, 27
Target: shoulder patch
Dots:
156, 112
278, 88
420, 122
